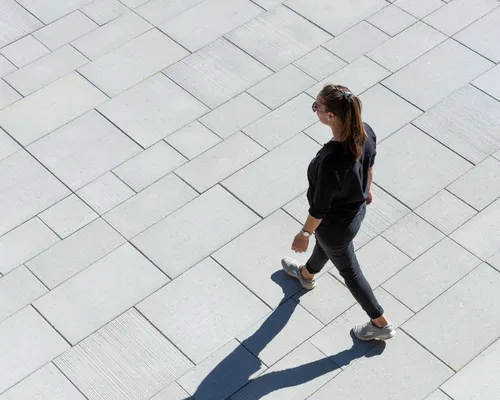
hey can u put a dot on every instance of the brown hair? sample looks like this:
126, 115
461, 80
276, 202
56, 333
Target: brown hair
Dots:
340, 101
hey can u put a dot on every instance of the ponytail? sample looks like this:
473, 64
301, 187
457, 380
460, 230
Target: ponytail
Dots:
354, 130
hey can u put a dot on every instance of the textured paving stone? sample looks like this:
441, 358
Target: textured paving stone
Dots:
386, 112
227, 309
437, 74
67, 216
219, 218
406, 374
473, 296
283, 123
402, 49
75, 253
29, 189
23, 243
6, 66
40, 342
159, 11
219, 162
319, 63
119, 280
7, 145
104, 11
445, 211
489, 82
112, 35
16, 22
419, 8
126, 359
57, 8
149, 206
278, 37
193, 140
17, 290
172, 392
336, 16
24, 51
7, 95
437, 167
148, 166
274, 179
481, 234
467, 122
431, 274
48, 383
217, 73
392, 20
296, 376
84, 149
234, 115
219, 17
49, 108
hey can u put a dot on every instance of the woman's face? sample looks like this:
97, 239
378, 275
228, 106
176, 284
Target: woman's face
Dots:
319, 108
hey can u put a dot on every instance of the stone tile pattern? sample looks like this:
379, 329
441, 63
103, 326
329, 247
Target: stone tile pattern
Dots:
153, 159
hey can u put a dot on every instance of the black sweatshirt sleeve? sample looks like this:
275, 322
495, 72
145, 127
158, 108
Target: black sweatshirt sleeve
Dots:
325, 188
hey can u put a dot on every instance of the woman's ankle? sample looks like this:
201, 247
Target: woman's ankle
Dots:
305, 273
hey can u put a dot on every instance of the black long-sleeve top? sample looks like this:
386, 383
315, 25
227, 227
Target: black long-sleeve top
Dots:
338, 184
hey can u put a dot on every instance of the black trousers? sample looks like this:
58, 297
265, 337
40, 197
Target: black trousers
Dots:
334, 243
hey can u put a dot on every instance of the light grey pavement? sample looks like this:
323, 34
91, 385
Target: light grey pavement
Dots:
153, 160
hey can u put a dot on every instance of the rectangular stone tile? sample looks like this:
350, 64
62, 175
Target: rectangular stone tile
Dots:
149, 166
48, 383
105, 193
360, 75
222, 373
24, 51
407, 46
6, 66
217, 73
386, 112
468, 122
274, 179
319, 63
75, 253
65, 30
133, 3
295, 377
67, 216
283, 123
480, 186
356, 41
475, 296
336, 16
23, 243
128, 359
49, 108
319, 132
104, 11
133, 62
111, 36
278, 37
431, 274
419, 8
17, 290
281, 86
84, 149
7, 95
172, 392
478, 379
100, 293
227, 309
159, 11
40, 344
437, 395
220, 162
219, 218
280, 332
437, 74
27, 190
428, 172
7, 145
338, 342
55, 10
219, 17
403, 365
132, 111
16, 22
234, 115
392, 20
456, 15
193, 140
150, 206
481, 234
489, 82
479, 35
268, 4
494, 261
445, 211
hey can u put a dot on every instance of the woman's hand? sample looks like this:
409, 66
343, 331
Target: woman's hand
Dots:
370, 197
300, 243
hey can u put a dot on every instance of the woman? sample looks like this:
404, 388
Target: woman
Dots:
340, 178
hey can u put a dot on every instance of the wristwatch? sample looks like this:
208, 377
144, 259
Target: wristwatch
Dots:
305, 233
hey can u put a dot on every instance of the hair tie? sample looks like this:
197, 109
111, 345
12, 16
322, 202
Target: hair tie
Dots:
346, 95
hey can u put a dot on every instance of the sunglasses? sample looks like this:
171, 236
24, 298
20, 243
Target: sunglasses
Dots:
315, 106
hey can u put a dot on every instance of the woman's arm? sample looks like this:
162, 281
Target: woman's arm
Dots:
370, 180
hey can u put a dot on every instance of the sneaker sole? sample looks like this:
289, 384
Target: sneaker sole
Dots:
379, 338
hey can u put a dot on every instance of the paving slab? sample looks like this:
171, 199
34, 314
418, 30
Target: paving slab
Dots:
104, 11
392, 20
24, 51
193, 140
16, 22
159, 11
419, 8
319, 132
56, 9
319, 63
437, 395
8, 95
126, 359
489, 82
6, 66
7, 145
172, 392
494, 261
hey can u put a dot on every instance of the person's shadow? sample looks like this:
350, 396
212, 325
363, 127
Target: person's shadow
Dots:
218, 384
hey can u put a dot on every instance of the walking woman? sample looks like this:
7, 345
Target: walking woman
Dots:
340, 178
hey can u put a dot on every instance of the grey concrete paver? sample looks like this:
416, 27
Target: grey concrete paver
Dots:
7, 145
6, 66
392, 20
159, 11
320, 63
16, 22
56, 9
419, 8
489, 82
24, 51
103, 11
193, 139
8, 95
